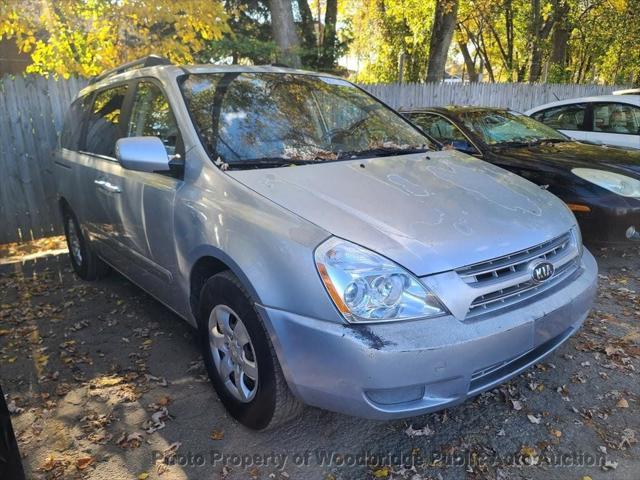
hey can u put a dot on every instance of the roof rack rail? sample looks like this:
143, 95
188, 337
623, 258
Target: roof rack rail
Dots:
148, 61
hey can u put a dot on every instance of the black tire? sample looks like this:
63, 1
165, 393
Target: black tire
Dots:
88, 265
273, 403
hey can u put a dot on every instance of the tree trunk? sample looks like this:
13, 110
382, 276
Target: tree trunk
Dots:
328, 57
309, 40
539, 32
560, 40
536, 49
559, 43
284, 32
444, 23
310, 55
468, 62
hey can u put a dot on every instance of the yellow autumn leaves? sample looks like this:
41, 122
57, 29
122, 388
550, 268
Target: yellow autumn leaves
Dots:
85, 37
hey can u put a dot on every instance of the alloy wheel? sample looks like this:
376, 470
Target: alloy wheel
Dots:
233, 353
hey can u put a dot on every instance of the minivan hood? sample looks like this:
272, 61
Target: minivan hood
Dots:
428, 212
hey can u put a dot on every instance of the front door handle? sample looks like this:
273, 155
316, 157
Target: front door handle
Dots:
107, 187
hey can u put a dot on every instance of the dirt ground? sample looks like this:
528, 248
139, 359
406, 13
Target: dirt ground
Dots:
106, 383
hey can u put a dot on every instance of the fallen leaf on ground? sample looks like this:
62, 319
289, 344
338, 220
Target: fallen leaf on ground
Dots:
133, 440
534, 419
13, 408
84, 462
217, 435
628, 438
382, 472
156, 423
529, 455
420, 432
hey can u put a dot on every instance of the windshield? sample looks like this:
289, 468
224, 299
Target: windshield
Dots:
497, 128
256, 120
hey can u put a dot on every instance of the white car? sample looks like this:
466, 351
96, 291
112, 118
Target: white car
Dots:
607, 119
630, 91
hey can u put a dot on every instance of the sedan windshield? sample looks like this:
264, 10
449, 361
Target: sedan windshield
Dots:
260, 120
509, 128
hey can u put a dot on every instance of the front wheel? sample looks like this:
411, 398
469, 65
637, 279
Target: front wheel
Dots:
240, 358
83, 259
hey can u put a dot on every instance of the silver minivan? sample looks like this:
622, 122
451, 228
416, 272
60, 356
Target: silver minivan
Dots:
326, 252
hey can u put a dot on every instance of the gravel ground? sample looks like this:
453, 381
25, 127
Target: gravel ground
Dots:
106, 383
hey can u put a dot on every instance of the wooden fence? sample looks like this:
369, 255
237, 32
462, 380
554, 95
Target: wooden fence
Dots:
31, 113
516, 96
32, 109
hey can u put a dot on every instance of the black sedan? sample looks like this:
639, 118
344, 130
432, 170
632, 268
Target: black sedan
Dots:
600, 185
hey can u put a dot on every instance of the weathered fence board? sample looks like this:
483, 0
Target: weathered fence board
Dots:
32, 109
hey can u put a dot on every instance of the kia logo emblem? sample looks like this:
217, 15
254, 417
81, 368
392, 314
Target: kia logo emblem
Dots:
541, 271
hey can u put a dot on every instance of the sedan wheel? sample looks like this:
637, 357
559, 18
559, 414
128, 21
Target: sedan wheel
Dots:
74, 241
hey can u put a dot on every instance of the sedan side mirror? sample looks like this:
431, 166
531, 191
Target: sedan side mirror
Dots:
143, 154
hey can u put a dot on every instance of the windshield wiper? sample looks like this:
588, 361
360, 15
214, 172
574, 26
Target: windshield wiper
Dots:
549, 140
529, 143
380, 152
269, 162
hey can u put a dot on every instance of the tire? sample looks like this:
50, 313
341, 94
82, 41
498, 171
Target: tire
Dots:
260, 403
84, 261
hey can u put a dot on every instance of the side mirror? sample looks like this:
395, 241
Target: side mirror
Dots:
143, 154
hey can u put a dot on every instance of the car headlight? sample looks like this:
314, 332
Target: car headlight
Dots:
614, 182
367, 287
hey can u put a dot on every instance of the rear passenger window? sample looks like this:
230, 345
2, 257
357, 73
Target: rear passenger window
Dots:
103, 127
566, 117
73, 122
616, 118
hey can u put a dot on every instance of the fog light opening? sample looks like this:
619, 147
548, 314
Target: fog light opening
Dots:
632, 233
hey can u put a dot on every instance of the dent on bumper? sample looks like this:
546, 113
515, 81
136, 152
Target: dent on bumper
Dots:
408, 368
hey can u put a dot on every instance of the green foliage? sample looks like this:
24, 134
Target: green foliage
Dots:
386, 29
558, 74
248, 39
571, 40
83, 37
603, 39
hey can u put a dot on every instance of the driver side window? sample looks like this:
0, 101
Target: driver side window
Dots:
151, 116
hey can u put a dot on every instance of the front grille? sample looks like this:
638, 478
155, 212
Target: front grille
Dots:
506, 280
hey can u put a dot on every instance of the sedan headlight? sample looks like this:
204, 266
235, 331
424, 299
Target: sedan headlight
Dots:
367, 287
614, 182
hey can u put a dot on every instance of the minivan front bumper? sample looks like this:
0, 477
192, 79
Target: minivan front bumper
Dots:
401, 369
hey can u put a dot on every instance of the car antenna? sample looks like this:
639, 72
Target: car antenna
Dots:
557, 98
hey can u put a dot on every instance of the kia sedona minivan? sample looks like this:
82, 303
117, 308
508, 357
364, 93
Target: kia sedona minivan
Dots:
326, 253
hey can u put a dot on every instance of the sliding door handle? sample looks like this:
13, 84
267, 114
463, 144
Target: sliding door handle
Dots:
107, 187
